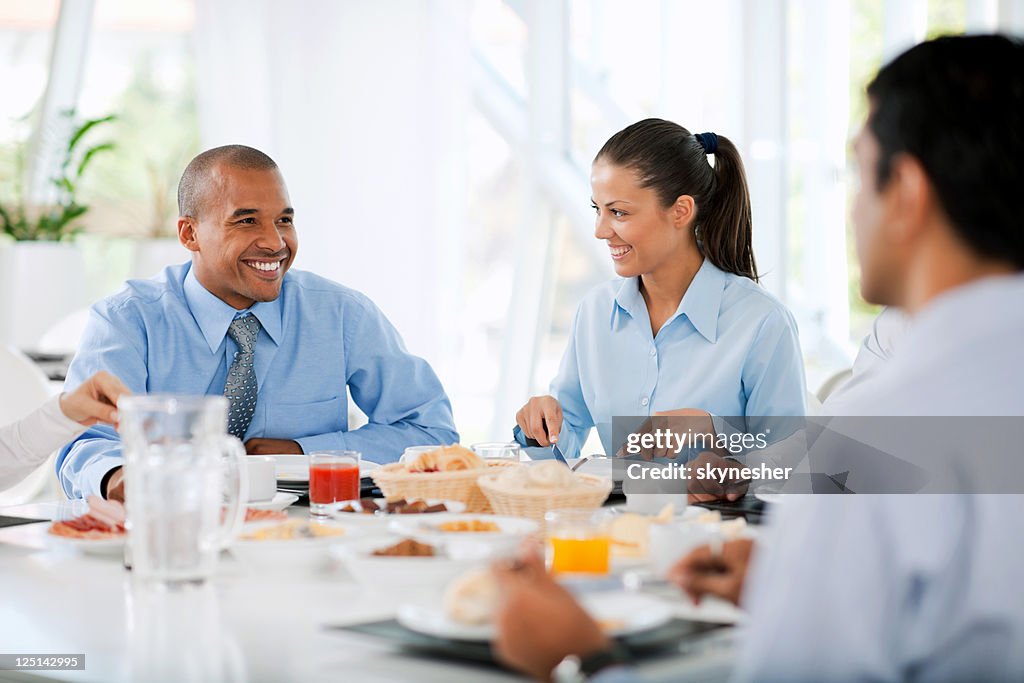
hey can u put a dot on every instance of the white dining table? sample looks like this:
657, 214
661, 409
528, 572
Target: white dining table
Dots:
244, 625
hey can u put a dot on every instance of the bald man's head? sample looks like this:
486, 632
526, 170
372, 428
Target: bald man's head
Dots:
194, 183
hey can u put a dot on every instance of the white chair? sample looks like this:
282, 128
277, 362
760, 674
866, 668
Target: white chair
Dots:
63, 337
25, 389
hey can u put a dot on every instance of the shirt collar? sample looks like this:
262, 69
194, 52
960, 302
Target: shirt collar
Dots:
214, 316
701, 303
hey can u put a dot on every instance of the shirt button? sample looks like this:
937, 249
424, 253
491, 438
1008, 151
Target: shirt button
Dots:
644, 401
654, 351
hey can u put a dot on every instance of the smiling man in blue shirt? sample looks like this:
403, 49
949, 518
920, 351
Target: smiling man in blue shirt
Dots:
282, 346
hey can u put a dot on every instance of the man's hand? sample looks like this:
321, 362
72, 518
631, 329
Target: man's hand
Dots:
539, 623
707, 490
680, 421
701, 573
541, 420
95, 400
114, 489
272, 447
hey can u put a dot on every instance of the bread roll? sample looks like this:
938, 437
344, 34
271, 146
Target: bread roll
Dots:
472, 598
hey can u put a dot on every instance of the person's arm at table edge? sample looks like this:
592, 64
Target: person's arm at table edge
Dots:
111, 342
28, 442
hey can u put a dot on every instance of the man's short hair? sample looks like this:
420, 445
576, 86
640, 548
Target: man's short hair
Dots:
193, 181
956, 104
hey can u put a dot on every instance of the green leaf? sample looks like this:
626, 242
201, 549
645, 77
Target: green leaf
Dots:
92, 151
85, 128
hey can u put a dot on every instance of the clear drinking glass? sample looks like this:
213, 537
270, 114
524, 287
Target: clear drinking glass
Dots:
181, 469
498, 451
579, 541
333, 477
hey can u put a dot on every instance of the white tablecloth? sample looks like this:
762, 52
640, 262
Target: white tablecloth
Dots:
242, 626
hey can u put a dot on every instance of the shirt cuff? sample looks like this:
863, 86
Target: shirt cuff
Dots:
331, 441
61, 422
90, 479
535, 452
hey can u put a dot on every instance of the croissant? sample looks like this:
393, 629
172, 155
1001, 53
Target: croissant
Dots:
455, 457
425, 462
447, 459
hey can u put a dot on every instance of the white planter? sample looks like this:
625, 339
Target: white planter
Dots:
40, 284
153, 255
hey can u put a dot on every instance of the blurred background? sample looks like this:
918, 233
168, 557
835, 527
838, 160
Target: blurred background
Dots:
436, 151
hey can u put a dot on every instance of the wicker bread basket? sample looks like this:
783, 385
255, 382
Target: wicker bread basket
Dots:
533, 503
396, 482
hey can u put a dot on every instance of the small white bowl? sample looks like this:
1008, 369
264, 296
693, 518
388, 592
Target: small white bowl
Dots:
469, 545
292, 555
375, 571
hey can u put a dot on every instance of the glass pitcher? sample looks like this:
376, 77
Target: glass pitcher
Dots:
185, 486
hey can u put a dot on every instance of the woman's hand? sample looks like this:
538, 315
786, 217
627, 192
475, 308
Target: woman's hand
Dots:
541, 420
94, 401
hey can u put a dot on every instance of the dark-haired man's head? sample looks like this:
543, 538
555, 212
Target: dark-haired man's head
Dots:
236, 219
941, 161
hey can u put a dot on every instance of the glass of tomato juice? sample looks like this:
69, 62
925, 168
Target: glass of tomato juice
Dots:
333, 477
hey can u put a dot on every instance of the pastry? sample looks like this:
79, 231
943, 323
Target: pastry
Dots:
472, 598
452, 458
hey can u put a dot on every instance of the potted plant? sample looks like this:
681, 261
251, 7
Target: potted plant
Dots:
41, 270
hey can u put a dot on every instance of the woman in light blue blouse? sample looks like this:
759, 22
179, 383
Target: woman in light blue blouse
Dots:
685, 326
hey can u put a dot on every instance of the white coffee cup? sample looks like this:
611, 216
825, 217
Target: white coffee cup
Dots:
672, 541
262, 478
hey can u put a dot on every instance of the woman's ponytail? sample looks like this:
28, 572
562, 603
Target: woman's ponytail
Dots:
723, 219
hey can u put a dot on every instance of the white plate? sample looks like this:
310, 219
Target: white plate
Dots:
426, 526
296, 554
292, 468
467, 545
381, 519
92, 546
279, 502
636, 612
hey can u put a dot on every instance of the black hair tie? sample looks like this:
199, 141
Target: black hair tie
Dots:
709, 141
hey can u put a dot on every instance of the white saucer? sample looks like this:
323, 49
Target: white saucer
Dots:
294, 469
91, 546
280, 501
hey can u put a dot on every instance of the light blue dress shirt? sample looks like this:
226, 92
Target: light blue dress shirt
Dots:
903, 587
731, 349
169, 335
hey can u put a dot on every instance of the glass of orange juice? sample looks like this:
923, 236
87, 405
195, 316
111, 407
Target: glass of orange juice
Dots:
578, 541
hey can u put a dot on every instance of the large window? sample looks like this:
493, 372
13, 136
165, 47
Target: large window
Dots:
784, 79
140, 67
488, 113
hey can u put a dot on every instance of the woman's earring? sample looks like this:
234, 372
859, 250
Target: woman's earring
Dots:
696, 235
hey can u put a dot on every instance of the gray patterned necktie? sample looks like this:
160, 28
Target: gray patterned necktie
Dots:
240, 386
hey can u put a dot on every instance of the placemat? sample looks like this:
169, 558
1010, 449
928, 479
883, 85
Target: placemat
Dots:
660, 640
